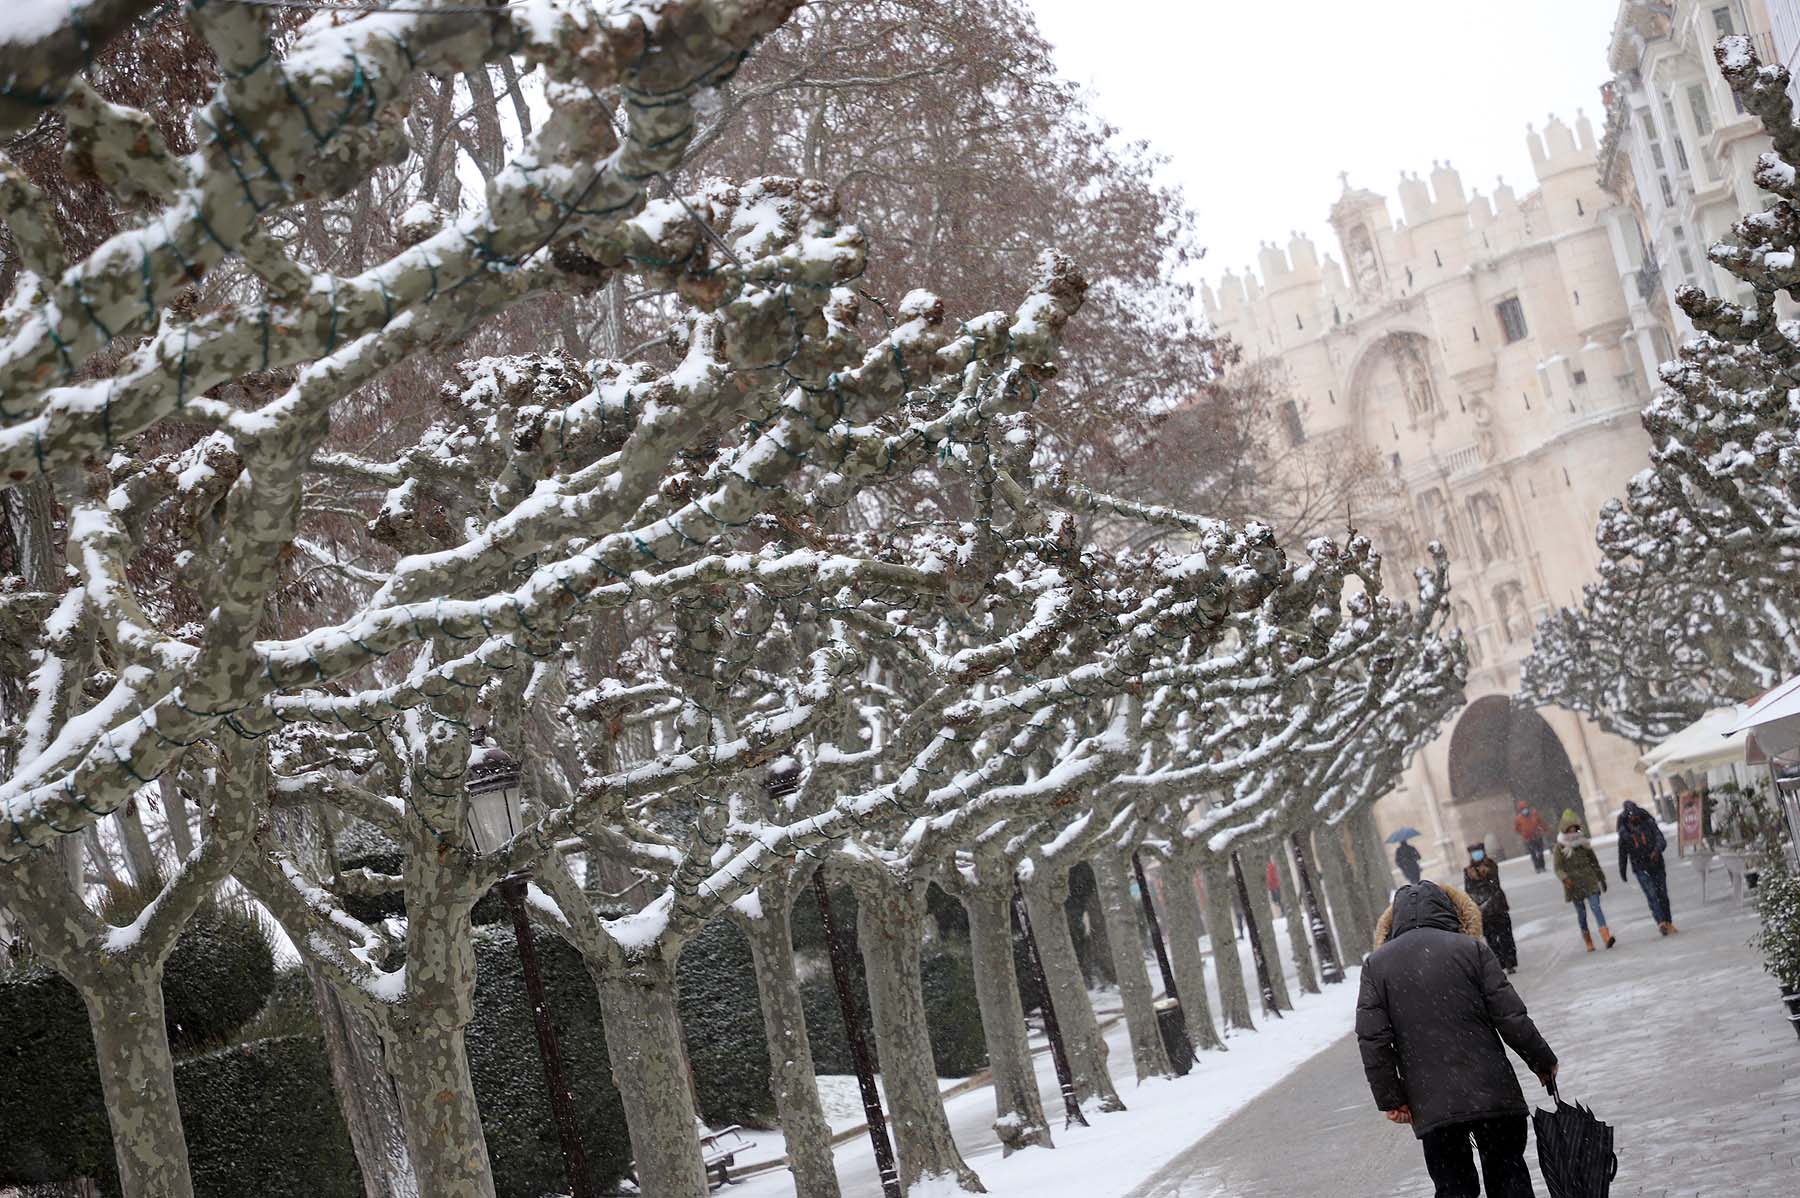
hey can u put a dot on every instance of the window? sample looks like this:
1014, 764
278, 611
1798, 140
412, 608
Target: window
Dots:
1580, 378
1681, 250
1722, 26
1651, 139
1512, 319
1674, 129
1703, 124
1668, 193
1290, 422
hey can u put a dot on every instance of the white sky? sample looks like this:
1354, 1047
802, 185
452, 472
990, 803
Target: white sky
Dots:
1259, 104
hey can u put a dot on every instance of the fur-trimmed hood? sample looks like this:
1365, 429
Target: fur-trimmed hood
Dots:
1468, 915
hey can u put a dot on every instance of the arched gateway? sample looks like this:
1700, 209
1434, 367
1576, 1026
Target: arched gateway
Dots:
1500, 753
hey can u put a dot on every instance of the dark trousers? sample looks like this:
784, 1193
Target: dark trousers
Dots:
1501, 1143
1536, 849
1655, 884
1497, 930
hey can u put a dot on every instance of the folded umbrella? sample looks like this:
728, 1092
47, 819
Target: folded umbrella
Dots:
1400, 834
1575, 1151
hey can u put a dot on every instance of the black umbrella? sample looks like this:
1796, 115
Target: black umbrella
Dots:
1575, 1151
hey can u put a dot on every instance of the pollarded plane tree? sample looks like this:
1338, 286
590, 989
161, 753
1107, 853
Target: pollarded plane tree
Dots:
1701, 552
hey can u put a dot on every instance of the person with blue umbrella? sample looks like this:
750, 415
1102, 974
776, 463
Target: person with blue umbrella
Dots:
1406, 858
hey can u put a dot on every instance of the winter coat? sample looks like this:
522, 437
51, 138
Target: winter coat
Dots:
1580, 871
1468, 915
1641, 842
1434, 1009
1482, 879
1407, 858
1530, 825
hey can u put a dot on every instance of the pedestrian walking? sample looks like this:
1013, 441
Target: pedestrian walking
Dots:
1273, 881
1434, 1018
1641, 844
1532, 829
1481, 878
1582, 878
1407, 859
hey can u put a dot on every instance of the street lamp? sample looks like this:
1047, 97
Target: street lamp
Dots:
493, 785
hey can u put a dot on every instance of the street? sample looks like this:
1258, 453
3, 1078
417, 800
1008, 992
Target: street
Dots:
1680, 1043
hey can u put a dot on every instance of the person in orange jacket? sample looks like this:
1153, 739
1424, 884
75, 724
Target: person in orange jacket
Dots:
1533, 831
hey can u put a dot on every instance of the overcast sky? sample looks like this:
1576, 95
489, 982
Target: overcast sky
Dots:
1259, 105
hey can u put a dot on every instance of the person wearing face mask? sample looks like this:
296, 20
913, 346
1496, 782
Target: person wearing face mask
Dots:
1481, 880
1582, 878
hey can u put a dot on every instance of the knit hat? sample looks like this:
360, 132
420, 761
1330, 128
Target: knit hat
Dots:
1569, 817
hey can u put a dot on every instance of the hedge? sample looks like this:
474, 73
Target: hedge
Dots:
509, 1081
262, 1119
721, 1016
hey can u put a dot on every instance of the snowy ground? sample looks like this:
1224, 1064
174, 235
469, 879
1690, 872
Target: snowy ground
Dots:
1163, 1118
1680, 1043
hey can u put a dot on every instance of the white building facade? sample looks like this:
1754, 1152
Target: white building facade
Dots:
1485, 348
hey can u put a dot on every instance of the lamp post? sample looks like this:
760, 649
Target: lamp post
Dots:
495, 815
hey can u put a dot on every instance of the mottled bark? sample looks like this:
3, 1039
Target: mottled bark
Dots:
1044, 897
890, 925
1371, 858
1086, 909
365, 1093
1112, 875
1262, 914
137, 1079
1181, 915
1234, 999
791, 1076
140, 858
1299, 935
649, 1066
181, 833
427, 1059
1348, 902
1019, 1119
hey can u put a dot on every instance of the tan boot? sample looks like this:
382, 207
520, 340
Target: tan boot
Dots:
1607, 936
1671, 928
1588, 940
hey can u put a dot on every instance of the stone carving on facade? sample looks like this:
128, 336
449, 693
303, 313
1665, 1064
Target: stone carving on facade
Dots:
1515, 620
1415, 377
1464, 617
1487, 445
1434, 517
1365, 268
1492, 541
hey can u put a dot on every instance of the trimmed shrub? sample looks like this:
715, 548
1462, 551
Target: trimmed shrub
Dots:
262, 1119
721, 1018
50, 1105
958, 1047
509, 1081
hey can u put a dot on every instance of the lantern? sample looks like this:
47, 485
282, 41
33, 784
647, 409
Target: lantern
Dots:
495, 797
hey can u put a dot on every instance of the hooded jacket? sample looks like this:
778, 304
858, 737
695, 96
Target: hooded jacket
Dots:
1579, 869
1435, 1016
1641, 841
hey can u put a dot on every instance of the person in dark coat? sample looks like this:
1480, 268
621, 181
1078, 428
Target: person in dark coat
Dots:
1407, 859
1641, 844
1433, 1021
1481, 880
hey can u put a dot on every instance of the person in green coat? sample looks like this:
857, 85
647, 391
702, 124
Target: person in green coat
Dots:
1582, 878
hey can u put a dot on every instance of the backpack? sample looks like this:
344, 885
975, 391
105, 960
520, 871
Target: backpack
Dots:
1638, 837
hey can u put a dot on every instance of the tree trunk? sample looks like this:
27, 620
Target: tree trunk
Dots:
1018, 1111
1113, 878
1299, 935
1234, 999
1181, 914
137, 1078
1262, 916
649, 1066
1355, 930
365, 1094
1318, 923
791, 1076
1045, 899
181, 833
890, 931
140, 858
1371, 859
430, 1067
1087, 909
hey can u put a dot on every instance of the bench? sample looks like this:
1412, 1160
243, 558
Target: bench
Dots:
718, 1151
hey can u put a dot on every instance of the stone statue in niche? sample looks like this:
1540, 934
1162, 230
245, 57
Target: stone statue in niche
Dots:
1486, 443
1434, 515
1415, 377
1515, 621
1491, 538
1364, 266
1464, 617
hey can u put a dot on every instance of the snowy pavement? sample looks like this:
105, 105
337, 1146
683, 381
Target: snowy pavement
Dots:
1120, 1151
1680, 1043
